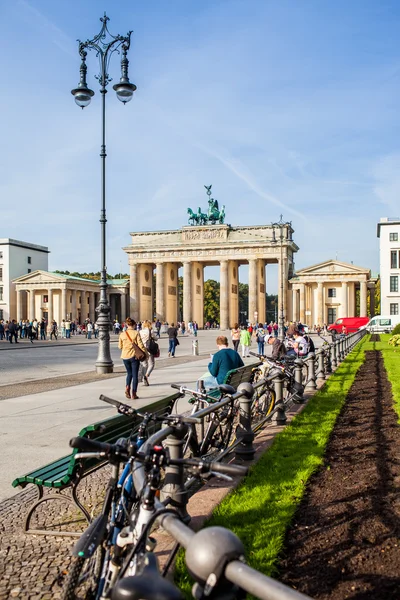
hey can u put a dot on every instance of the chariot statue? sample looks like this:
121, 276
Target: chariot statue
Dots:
212, 217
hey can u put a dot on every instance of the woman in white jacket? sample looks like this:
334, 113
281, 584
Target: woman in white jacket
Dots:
146, 333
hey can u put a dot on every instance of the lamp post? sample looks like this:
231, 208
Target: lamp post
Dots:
281, 225
104, 44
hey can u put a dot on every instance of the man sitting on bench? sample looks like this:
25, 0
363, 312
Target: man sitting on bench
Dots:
223, 361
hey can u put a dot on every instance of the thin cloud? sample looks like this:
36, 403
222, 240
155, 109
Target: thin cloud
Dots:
61, 39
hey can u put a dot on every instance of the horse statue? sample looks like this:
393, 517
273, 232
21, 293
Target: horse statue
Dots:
193, 217
222, 215
201, 217
213, 211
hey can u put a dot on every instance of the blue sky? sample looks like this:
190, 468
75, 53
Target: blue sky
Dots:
288, 106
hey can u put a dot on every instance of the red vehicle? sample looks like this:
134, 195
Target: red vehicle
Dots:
350, 323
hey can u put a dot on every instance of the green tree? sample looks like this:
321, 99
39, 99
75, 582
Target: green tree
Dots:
211, 301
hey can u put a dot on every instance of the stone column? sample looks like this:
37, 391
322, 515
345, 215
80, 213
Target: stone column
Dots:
224, 295
50, 316
187, 292
63, 303
113, 306
31, 305
261, 300
92, 314
198, 293
372, 301
145, 278
303, 304
233, 286
19, 305
295, 314
345, 306
73, 305
253, 308
351, 306
320, 303
160, 292
285, 287
363, 298
134, 292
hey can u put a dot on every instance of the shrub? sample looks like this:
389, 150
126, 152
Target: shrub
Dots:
396, 330
395, 340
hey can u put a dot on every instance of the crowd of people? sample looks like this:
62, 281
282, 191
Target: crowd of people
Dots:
12, 331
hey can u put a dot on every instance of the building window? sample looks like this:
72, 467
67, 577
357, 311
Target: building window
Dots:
1, 273
45, 299
1, 293
29, 260
1, 314
393, 237
394, 283
331, 292
331, 315
1, 254
393, 259
394, 309
29, 270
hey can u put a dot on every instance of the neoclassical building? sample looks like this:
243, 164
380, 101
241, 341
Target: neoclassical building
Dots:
193, 248
42, 294
326, 291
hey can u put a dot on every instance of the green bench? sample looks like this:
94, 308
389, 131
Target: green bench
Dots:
67, 473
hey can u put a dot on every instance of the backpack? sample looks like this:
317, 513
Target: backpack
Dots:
152, 347
261, 338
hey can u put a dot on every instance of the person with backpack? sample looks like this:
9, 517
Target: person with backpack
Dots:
260, 337
149, 340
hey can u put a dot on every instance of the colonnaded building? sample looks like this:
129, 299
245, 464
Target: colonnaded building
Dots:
314, 295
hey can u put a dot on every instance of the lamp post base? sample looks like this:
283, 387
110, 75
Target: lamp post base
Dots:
104, 363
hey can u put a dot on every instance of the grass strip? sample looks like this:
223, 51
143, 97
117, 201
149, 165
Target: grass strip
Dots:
260, 510
391, 358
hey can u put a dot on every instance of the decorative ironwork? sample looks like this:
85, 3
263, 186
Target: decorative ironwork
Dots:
213, 216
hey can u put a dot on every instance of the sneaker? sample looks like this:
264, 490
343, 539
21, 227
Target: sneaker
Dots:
169, 353
145, 380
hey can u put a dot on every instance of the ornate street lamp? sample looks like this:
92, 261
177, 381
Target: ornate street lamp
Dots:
104, 44
281, 225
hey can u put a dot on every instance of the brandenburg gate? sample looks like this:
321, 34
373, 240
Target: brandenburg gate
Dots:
195, 247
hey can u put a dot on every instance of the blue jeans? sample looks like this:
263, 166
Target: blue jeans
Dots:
89, 335
171, 346
132, 370
261, 347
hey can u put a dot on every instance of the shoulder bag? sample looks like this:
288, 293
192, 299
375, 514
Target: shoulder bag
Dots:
139, 354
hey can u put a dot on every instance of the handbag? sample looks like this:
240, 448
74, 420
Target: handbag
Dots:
139, 354
176, 342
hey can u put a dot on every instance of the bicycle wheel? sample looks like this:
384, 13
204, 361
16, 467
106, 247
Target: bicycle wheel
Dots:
83, 577
219, 433
263, 405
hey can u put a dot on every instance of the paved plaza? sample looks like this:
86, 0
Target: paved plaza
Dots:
35, 427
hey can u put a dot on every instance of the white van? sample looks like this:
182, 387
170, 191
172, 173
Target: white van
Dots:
382, 323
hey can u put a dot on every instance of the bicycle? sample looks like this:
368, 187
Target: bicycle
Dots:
219, 573
92, 567
130, 542
286, 368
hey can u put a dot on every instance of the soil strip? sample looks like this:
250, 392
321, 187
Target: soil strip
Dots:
345, 538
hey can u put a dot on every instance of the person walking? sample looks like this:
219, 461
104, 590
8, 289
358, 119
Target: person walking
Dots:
13, 331
173, 341
42, 329
260, 337
89, 329
149, 339
235, 335
131, 363
245, 342
53, 330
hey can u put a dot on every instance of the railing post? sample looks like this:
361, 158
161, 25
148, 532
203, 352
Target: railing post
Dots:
298, 374
244, 433
328, 361
340, 352
320, 356
279, 416
334, 359
174, 482
310, 360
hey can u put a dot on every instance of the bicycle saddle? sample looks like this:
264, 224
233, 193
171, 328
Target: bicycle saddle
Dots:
226, 389
149, 585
